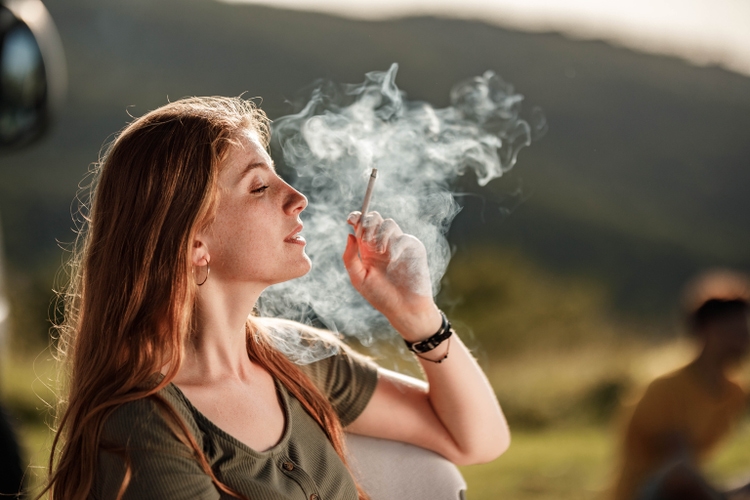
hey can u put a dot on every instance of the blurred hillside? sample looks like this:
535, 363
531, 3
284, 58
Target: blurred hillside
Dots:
641, 180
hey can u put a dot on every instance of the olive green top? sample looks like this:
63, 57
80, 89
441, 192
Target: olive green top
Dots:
302, 466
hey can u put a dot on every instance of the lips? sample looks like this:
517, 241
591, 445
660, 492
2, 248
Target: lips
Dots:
295, 237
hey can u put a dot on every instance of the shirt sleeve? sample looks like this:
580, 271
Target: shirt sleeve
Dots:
348, 379
161, 466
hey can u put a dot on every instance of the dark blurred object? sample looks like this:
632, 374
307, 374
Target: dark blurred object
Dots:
32, 71
680, 481
11, 472
742, 493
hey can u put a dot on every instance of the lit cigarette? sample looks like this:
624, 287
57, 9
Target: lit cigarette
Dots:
368, 193
368, 197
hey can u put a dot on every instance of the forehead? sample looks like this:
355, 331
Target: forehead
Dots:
245, 153
247, 143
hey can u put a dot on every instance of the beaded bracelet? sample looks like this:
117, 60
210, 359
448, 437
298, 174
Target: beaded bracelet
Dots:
445, 356
428, 344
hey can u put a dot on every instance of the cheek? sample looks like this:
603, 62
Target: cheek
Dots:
245, 236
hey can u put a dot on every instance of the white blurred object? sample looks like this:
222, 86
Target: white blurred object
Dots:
391, 470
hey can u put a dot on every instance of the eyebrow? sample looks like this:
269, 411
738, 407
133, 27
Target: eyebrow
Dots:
252, 166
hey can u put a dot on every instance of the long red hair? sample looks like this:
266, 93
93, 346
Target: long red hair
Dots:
129, 304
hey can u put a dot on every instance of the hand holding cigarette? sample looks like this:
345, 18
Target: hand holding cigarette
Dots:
389, 268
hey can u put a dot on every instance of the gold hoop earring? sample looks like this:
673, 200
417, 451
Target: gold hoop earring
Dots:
208, 271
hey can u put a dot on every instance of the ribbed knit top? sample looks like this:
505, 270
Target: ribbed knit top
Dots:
302, 466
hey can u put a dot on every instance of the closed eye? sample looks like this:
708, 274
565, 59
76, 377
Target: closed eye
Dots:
259, 190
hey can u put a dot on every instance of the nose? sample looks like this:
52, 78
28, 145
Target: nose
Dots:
296, 201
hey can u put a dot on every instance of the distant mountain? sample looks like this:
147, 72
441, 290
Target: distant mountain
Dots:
641, 180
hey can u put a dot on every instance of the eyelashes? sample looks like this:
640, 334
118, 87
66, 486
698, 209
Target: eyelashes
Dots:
260, 189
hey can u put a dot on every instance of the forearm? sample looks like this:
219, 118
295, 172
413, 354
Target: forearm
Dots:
465, 403
459, 394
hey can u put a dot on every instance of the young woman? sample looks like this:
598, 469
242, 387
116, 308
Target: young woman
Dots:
176, 390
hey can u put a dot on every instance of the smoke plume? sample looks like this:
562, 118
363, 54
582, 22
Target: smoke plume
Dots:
340, 135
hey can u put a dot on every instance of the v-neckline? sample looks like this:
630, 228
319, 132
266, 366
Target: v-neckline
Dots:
273, 450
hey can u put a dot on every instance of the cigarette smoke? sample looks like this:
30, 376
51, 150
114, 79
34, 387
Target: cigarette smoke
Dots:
339, 136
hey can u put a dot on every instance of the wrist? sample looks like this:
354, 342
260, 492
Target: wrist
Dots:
419, 325
438, 341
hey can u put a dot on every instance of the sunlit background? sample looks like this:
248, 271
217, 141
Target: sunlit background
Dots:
566, 272
700, 31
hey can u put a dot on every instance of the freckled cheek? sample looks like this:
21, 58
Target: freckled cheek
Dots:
243, 235
241, 256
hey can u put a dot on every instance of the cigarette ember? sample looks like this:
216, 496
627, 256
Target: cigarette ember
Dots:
368, 193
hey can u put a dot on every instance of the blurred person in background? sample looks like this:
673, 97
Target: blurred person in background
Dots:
683, 415
177, 391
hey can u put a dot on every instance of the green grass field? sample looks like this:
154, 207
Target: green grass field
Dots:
578, 463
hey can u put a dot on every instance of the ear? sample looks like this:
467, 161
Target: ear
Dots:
199, 255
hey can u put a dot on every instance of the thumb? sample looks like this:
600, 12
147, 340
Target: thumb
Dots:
352, 262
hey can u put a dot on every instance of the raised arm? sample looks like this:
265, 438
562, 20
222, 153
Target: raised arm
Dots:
456, 412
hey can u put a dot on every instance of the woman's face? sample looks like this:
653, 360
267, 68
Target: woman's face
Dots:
254, 237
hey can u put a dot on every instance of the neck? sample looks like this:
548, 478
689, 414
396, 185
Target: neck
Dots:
217, 349
710, 369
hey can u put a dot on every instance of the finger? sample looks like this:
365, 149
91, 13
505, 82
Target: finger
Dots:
369, 227
387, 231
352, 262
353, 218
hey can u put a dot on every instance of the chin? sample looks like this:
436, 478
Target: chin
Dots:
298, 270
307, 267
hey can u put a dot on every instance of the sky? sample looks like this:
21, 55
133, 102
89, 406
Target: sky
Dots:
700, 31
